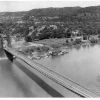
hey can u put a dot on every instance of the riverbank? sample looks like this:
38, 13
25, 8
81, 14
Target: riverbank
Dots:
49, 47
42, 48
57, 46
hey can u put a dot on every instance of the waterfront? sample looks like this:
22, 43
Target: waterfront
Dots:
81, 65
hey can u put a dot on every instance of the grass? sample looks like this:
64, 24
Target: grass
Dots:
55, 43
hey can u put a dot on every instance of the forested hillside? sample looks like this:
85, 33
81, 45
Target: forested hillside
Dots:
51, 22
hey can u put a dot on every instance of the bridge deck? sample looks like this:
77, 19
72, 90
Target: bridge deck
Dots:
15, 82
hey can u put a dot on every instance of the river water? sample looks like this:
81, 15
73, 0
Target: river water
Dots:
15, 83
81, 65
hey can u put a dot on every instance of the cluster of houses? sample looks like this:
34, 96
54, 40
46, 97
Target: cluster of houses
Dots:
76, 36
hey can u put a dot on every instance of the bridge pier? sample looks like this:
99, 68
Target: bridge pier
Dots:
1, 43
8, 41
9, 55
1, 47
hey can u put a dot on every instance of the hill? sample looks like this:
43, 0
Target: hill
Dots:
51, 12
85, 19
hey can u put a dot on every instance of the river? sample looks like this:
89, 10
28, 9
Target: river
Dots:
15, 83
82, 65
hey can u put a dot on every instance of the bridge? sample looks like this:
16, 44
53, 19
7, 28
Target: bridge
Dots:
23, 77
48, 82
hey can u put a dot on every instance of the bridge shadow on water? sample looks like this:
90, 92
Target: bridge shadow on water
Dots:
39, 81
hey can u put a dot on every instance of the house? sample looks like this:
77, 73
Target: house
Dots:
74, 39
75, 33
53, 26
96, 37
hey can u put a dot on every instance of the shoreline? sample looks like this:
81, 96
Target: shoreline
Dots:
50, 47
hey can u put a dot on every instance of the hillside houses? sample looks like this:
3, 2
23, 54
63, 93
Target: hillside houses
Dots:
53, 26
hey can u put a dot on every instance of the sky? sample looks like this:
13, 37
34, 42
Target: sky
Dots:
26, 5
